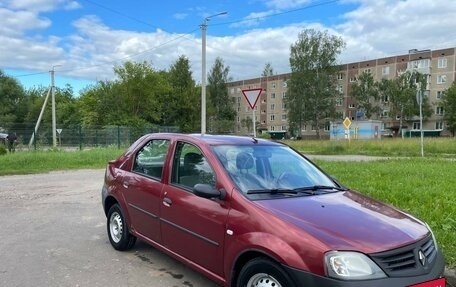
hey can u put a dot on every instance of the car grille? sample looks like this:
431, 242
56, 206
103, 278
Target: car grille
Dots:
406, 261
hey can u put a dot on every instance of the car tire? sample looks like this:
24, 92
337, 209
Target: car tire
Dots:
118, 232
262, 272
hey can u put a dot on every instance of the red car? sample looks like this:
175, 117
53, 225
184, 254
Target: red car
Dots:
252, 212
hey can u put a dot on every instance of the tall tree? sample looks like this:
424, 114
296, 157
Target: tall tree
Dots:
268, 70
449, 106
312, 86
401, 93
13, 107
140, 86
366, 93
221, 110
181, 106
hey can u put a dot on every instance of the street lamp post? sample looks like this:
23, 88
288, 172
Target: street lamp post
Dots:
203, 70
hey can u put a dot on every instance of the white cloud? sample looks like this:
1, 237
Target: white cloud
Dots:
374, 29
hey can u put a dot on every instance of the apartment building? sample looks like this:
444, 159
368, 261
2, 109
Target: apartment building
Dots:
271, 111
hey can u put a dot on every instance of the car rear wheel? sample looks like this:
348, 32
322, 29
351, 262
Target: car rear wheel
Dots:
262, 272
118, 233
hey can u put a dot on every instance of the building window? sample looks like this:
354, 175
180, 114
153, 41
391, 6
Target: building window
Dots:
272, 118
340, 76
385, 113
284, 128
272, 107
272, 128
385, 99
284, 106
418, 64
314, 127
272, 95
441, 79
232, 90
442, 63
439, 125
284, 117
238, 119
439, 110
351, 106
340, 89
416, 125
353, 79
368, 70
327, 127
339, 102
238, 90
284, 84
273, 85
385, 70
440, 94
284, 95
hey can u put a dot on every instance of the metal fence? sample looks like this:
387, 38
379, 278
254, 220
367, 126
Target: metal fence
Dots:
78, 137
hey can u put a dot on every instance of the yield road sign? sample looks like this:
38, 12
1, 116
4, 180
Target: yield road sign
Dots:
252, 96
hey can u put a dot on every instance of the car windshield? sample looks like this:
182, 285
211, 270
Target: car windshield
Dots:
272, 170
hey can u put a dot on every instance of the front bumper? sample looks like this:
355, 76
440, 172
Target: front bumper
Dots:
303, 278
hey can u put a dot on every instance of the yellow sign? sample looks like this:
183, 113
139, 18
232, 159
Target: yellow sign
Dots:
347, 123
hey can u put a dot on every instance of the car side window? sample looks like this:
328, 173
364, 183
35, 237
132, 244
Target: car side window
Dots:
191, 167
151, 158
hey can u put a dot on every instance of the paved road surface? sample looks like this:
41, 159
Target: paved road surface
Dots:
53, 233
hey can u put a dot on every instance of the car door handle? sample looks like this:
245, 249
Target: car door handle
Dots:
167, 202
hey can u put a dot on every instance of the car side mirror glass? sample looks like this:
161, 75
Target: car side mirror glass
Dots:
208, 191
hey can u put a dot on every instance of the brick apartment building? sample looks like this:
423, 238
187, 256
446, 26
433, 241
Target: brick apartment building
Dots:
271, 111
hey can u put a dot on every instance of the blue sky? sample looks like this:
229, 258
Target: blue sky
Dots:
85, 39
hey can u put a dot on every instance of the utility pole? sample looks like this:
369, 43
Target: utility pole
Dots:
54, 127
203, 70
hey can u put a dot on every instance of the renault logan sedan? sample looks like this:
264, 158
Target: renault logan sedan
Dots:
251, 212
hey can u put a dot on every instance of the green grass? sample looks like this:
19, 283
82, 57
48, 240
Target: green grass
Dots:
433, 147
26, 162
424, 187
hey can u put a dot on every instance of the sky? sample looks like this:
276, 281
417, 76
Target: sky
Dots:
83, 40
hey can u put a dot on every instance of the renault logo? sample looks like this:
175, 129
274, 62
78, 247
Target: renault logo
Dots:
422, 257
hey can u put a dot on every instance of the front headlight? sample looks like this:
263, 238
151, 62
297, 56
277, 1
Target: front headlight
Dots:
348, 265
433, 236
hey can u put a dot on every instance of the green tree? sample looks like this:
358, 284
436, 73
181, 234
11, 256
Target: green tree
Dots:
13, 105
268, 70
221, 109
449, 106
140, 86
312, 86
401, 93
181, 106
366, 93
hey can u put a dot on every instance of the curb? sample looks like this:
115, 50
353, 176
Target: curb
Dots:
450, 275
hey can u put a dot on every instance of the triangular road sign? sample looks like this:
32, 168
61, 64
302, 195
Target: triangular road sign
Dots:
252, 96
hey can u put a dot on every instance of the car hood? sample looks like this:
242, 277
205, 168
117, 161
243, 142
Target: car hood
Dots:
348, 221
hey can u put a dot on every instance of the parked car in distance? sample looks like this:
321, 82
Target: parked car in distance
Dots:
251, 212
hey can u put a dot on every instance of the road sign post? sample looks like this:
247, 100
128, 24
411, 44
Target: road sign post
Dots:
252, 96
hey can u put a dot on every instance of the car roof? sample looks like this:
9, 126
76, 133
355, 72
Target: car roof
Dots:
210, 139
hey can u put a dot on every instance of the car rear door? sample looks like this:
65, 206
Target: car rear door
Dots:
192, 226
143, 188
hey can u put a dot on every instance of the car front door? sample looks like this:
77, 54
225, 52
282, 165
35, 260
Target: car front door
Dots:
193, 227
143, 187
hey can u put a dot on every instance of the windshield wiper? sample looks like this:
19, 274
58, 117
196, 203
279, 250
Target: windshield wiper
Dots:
272, 191
313, 188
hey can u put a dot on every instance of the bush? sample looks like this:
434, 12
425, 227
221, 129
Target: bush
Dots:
2, 149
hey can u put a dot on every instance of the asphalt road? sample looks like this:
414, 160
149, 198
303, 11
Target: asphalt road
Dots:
53, 233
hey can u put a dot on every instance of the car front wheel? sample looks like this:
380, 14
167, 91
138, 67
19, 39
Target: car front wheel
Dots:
118, 233
262, 272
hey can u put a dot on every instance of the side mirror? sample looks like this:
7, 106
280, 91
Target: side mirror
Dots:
208, 191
